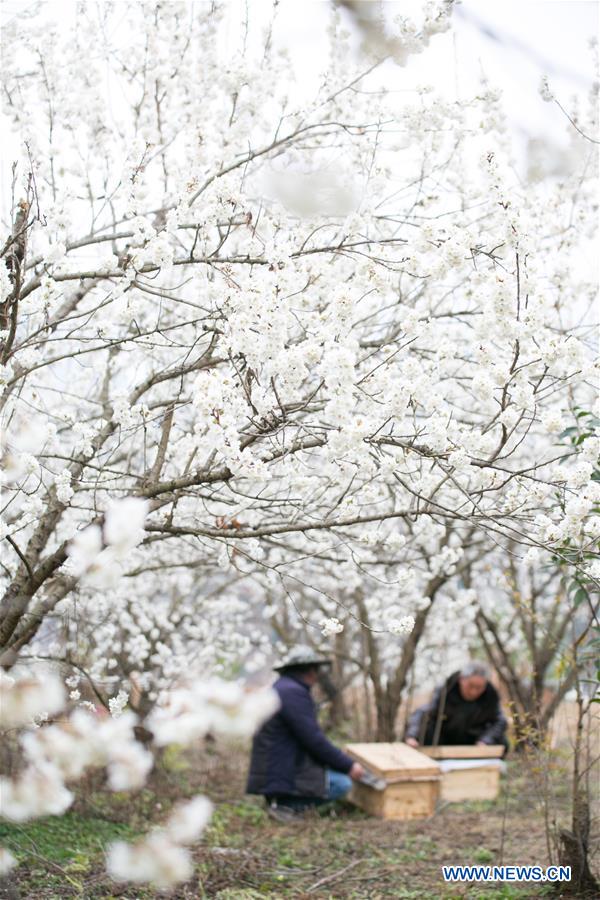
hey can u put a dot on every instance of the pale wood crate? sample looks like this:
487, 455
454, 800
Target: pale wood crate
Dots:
482, 783
413, 781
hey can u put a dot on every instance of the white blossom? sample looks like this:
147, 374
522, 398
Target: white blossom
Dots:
64, 491
532, 556
253, 408
7, 861
25, 697
5, 282
152, 860
553, 422
330, 626
6, 373
593, 569
124, 524
84, 741
37, 791
223, 707
401, 626
84, 549
128, 766
188, 820
580, 474
118, 703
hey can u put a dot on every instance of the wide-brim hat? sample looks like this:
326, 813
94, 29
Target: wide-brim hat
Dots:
301, 656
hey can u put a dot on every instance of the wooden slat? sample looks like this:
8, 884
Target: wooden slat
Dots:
464, 751
393, 761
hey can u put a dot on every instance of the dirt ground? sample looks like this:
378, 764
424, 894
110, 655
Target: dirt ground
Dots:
334, 854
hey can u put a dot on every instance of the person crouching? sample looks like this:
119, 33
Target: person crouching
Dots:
464, 710
293, 765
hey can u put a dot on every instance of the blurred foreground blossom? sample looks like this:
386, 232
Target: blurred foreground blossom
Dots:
193, 711
159, 858
95, 553
124, 524
128, 766
23, 698
39, 791
84, 741
306, 193
7, 861
84, 550
19, 448
155, 860
188, 820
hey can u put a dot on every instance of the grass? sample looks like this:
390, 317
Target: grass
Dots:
63, 839
61, 850
245, 855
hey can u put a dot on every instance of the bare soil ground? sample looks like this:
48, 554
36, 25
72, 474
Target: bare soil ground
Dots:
338, 853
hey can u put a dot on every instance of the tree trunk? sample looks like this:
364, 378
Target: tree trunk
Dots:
573, 845
387, 706
334, 686
574, 850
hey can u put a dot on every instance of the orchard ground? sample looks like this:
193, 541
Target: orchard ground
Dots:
245, 855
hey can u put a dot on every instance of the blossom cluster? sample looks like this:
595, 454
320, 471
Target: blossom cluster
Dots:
96, 552
60, 752
194, 710
162, 857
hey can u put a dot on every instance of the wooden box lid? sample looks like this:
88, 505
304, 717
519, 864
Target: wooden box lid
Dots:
464, 751
394, 762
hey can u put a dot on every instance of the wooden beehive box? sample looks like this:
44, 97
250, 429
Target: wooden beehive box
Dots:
468, 772
412, 781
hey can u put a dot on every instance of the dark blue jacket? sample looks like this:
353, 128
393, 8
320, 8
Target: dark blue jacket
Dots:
290, 753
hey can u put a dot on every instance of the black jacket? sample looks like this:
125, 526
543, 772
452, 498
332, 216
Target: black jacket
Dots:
449, 719
290, 753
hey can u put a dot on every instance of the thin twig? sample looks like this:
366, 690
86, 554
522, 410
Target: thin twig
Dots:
335, 875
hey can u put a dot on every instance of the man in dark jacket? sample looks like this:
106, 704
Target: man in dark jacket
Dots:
464, 710
293, 764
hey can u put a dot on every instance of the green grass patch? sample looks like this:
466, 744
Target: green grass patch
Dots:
72, 841
227, 824
482, 855
57, 853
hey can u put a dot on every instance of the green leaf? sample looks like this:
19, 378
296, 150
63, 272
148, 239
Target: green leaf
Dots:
572, 429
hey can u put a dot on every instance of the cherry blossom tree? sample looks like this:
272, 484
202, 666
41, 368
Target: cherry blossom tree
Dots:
262, 325
270, 359
277, 328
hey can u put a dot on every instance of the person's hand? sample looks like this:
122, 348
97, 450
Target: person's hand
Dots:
481, 744
356, 772
412, 742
